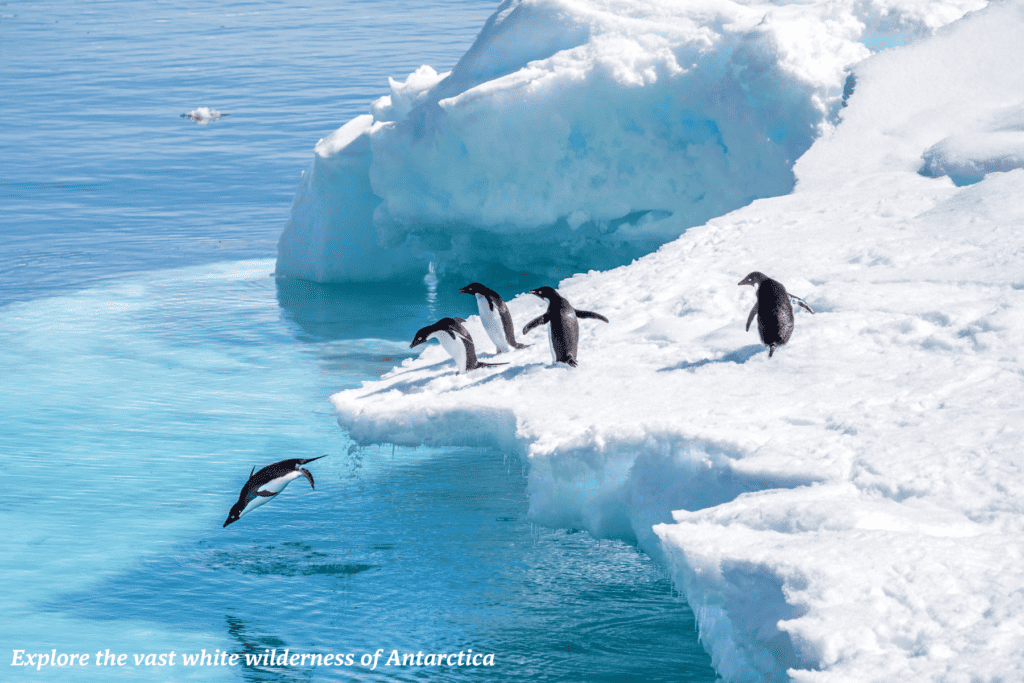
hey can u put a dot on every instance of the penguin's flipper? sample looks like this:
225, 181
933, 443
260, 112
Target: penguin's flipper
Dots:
509, 330
750, 318
540, 320
800, 302
266, 494
307, 474
590, 314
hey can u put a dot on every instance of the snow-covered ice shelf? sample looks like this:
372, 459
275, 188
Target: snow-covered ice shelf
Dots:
853, 508
580, 134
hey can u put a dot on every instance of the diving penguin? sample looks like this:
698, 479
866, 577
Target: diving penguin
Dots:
563, 329
495, 317
773, 310
455, 339
267, 483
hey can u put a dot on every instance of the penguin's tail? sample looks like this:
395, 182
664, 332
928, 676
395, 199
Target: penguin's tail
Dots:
488, 365
303, 462
571, 362
520, 346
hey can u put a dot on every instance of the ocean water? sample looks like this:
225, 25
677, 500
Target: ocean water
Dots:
149, 359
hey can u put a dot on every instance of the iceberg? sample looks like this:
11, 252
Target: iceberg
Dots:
576, 135
848, 510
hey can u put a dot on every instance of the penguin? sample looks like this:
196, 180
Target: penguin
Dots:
773, 310
267, 483
495, 317
456, 341
563, 330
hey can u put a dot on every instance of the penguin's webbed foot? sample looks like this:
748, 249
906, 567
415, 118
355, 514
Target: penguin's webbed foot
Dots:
308, 475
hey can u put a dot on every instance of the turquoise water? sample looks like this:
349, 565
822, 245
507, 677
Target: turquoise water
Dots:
149, 360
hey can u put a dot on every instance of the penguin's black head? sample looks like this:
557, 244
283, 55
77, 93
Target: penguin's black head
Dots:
545, 293
421, 337
473, 288
754, 278
235, 514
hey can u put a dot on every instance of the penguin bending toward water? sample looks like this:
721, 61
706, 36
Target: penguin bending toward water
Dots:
563, 328
267, 483
455, 339
773, 310
495, 317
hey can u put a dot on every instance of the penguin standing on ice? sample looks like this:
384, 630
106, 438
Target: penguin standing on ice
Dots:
267, 483
495, 317
455, 339
563, 328
773, 310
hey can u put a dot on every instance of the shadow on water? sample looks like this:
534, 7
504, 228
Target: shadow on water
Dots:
254, 643
386, 310
331, 312
391, 310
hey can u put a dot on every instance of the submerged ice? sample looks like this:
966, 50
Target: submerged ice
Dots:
576, 135
850, 509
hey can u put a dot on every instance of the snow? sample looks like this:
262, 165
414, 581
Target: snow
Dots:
851, 509
583, 134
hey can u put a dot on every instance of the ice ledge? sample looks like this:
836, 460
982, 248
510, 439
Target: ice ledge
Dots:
847, 510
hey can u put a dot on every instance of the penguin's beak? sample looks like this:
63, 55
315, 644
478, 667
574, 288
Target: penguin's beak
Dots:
416, 342
745, 281
463, 290
229, 521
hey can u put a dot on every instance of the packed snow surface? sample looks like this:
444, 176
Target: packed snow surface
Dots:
853, 508
580, 134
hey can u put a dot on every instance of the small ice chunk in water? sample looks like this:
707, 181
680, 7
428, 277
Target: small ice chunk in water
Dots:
203, 115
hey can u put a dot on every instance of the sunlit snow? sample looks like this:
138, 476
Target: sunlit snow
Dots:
582, 134
849, 510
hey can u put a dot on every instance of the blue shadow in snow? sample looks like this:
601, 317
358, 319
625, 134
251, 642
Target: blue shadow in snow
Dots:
413, 385
739, 356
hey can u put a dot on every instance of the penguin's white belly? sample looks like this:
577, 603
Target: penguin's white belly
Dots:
454, 346
492, 324
277, 485
272, 486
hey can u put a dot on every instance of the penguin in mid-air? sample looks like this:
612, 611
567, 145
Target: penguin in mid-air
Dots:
495, 317
563, 330
267, 483
455, 339
773, 310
